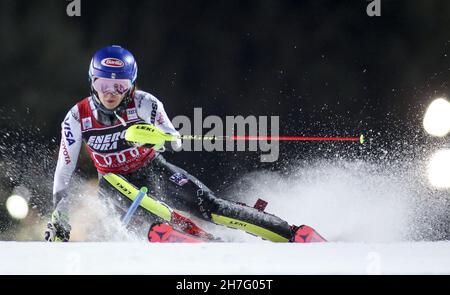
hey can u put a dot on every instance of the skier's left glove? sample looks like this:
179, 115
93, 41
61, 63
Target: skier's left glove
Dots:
58, 229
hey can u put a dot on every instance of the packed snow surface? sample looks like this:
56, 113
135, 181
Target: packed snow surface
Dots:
224, 258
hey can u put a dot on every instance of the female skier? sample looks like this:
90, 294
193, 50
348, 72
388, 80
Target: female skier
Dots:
101, 120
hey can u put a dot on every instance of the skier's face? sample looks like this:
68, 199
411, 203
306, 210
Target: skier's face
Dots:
111, 91
110, 100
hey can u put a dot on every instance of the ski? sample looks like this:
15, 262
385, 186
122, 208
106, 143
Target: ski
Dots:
165, 233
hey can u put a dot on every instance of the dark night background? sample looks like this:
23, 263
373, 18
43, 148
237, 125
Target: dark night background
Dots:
324, 67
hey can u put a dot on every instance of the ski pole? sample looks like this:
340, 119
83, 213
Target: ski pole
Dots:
360, 138
146, 133
134, 206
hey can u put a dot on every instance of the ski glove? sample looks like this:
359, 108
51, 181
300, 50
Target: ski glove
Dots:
58, 229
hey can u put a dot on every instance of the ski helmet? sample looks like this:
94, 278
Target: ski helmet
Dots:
113, 62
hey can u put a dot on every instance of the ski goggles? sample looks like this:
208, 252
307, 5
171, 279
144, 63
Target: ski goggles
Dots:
105, 85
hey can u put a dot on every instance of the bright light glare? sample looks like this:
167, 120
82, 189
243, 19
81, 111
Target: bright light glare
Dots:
17, 207
437, 118
439, 169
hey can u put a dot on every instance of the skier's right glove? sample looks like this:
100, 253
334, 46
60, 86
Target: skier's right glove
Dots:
58, 229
